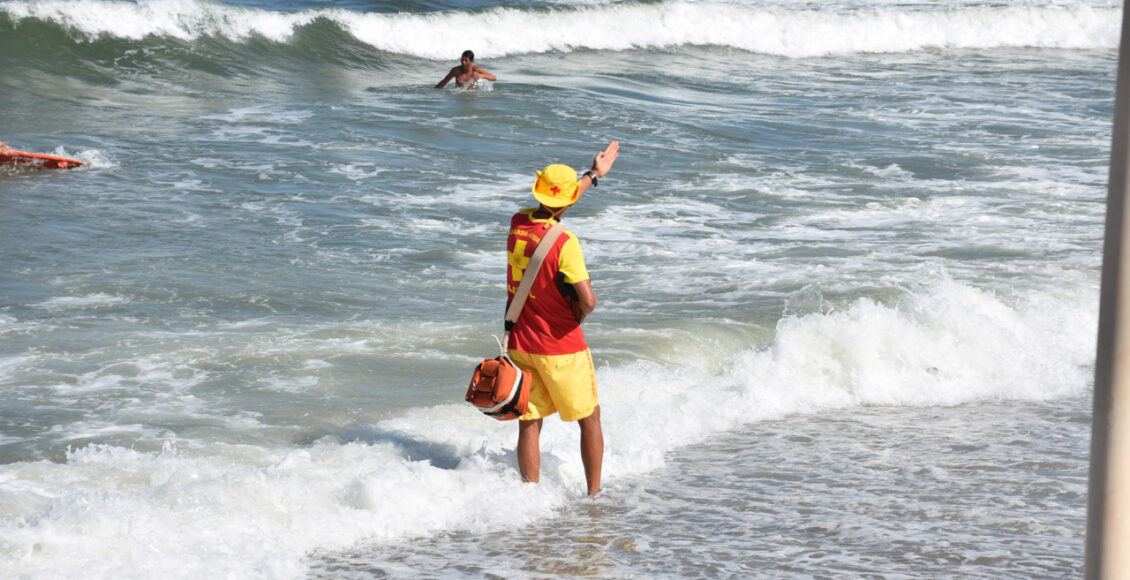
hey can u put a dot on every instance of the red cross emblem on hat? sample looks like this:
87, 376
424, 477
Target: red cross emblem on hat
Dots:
555, 189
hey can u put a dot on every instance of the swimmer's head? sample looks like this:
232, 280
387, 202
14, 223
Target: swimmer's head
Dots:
468, 55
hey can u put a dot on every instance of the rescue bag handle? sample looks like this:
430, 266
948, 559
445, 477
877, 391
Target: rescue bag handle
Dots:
527, 282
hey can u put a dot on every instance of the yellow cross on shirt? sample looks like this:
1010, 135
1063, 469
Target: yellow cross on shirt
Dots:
518, 260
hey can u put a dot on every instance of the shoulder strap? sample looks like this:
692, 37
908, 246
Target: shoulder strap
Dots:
523, 291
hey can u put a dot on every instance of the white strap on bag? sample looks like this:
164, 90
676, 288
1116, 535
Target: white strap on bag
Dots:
527, 282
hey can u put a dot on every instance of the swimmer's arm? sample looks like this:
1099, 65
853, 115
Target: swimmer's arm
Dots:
447, 78
482, 73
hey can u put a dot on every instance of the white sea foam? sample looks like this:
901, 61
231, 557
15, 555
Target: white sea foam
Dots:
8, 323
622, 26
86, 301
254, 511
359, 172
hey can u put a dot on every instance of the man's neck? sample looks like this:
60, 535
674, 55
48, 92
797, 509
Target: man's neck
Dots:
544, 213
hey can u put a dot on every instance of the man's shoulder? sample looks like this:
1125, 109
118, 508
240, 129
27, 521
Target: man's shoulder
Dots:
523, 216
571, 241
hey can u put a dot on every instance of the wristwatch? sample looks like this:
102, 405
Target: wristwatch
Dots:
591, 177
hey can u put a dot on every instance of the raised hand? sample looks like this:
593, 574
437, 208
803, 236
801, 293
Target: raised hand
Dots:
602, 163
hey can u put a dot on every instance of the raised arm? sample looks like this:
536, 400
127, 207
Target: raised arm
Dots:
601, 165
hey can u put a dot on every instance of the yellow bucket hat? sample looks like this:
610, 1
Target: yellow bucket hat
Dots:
556, 186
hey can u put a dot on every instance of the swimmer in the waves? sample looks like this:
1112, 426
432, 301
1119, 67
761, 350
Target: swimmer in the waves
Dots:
467, 73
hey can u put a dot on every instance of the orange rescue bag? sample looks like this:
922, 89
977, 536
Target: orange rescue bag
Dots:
500, 389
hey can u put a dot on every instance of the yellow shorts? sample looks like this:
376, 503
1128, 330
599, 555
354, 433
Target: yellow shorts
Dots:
564, 383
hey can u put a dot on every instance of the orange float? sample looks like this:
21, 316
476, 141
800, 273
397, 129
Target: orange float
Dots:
38, 160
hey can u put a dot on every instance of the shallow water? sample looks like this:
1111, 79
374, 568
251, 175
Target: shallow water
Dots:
975, 491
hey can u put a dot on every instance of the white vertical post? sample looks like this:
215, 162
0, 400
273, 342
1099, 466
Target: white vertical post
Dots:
1108, 505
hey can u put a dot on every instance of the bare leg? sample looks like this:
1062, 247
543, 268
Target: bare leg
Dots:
592, 449
529, 453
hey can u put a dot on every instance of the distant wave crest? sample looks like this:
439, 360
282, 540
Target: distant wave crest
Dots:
507, 31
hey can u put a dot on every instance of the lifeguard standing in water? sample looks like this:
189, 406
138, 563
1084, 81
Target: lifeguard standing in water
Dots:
547, 339
467, 73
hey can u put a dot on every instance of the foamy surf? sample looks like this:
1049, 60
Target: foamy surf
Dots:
207, 507
503, 31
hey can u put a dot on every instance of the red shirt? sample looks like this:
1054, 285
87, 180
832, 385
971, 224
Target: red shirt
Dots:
546, 324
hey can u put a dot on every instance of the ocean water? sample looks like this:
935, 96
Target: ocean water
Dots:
847, 267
